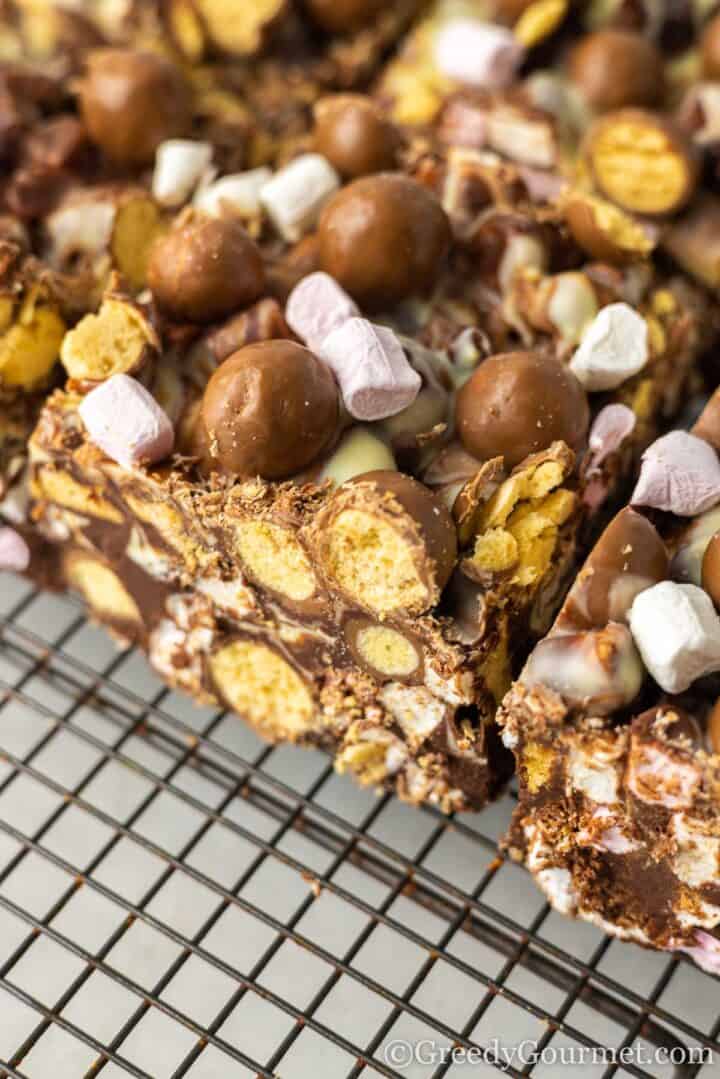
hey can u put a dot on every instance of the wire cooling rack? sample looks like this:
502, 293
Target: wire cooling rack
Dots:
178, 899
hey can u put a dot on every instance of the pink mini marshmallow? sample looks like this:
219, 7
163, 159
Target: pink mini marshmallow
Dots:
679, 473
542, 185
612, 425
478, 53
14, 551
126, 422
375, 378
316, 307
705, 951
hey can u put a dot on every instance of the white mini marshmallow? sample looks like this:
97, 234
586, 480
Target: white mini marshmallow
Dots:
14, 551
679, 473
126, 422
612, 425
238, 193
85, 228
613, 348
372, 369
677, 632
295, 195
478, 53
316, 307
179, 164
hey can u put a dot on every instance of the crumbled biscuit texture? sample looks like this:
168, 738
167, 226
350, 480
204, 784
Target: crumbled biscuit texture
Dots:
275, 559
239, 29
387, 651
639, 166
62, 489
138, 224
102, 589
263, 688
537, 764
373, 562
118, 340
365, 755
521, 523
30, 343
172, 526
541, 19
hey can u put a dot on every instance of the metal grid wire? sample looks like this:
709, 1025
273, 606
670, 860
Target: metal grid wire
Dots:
178, 899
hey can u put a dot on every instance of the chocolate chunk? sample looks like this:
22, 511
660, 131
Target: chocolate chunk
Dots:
351, 132
614, 68
339, 16
269, 410
711, 569
628, 557
387, 543
131, 102
384, 239
642, 162
205, 269
518, 403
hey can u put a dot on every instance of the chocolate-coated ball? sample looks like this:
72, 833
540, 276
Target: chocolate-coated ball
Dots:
131, 102
615, 68
711, 569
269, 410
710, 49
517, 403
383, 238
629, 557
426, 510
353, 135
205, 269
338, 16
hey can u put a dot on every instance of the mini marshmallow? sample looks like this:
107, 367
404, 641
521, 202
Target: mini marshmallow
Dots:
238, 193
179, 164
478, 53
677, 632
612, 425
375, 378
85, 228
542, 186
316, 307
705, 951
126, 422
679, 473
613, 348
14, 551
295, 195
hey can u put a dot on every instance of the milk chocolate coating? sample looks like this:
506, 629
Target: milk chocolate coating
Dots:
204, 270
337, 16
353, 135
613, 68
628, 557
131, 102
427, 511
713, 727
660, 182
711, 569
269, 410
383, 238
707, 426
598, 242
710, 49
518, 403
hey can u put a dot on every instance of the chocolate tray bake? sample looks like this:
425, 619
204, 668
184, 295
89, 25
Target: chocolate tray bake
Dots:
614, 719
332, 336
348, 509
